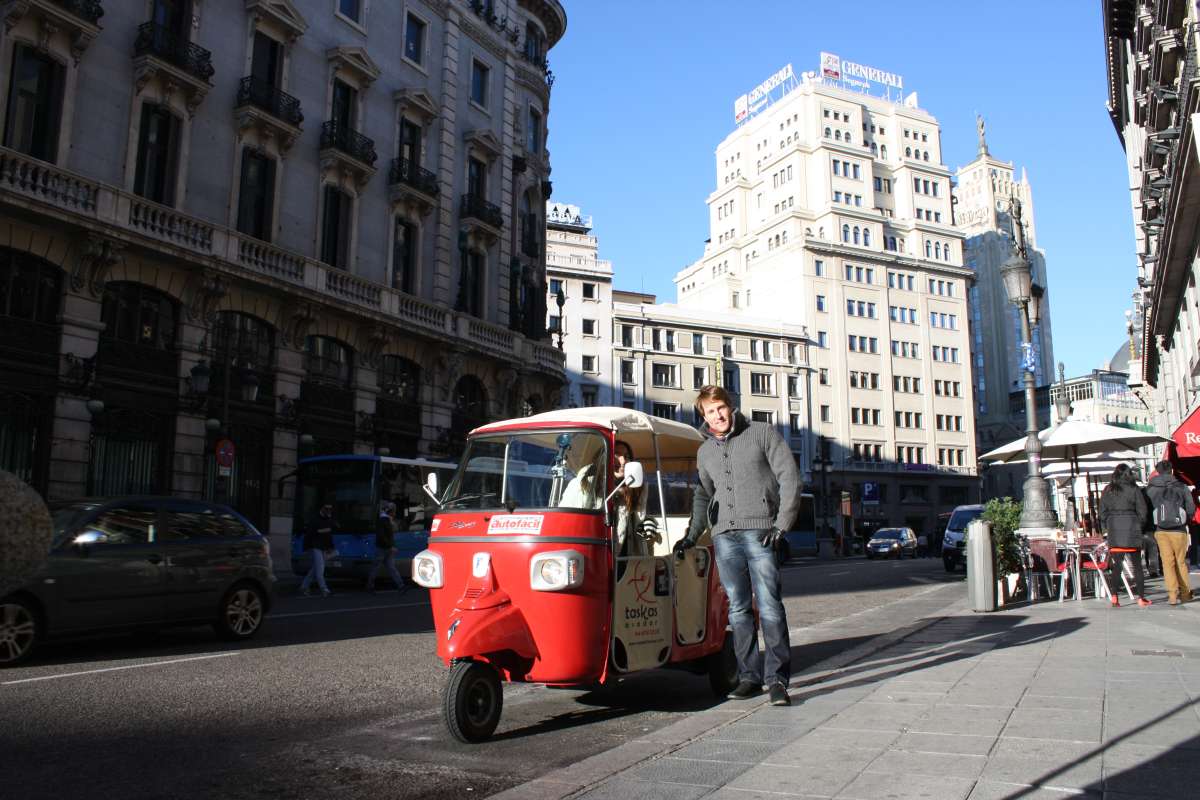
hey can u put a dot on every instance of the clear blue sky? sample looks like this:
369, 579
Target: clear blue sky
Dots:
644, 92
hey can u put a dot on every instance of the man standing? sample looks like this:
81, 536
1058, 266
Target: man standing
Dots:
385, 547
1172, 506
318, 541
748, 492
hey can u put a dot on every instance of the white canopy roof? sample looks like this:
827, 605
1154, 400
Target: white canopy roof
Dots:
1074, 438
676, 441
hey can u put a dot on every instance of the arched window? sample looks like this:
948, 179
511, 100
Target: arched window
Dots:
874, 147
528, 220
845, 233
827, 132
928, 249
937, 250
399, 379
856, 234
134, 313
246, 346
30, 287
328, 361
925, 156
908, 152
847, 137
946, 251
883, 151
470, 403
837, 135
867, 237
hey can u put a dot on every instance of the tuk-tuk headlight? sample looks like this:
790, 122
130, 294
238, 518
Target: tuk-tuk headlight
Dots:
555, 571
427, 569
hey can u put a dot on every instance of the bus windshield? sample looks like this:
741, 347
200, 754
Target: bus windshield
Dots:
532, 469
348, 484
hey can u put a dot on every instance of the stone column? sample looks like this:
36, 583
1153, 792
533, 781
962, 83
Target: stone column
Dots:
70, 450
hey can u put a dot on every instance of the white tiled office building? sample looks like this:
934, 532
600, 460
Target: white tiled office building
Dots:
832, 210
585, 319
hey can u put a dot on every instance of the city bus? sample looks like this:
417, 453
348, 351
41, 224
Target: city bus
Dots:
356, 485
802, 538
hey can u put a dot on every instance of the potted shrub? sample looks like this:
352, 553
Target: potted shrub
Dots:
1004, 514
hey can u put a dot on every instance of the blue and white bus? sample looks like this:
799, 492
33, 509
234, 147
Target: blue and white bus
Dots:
356, 485
802, 538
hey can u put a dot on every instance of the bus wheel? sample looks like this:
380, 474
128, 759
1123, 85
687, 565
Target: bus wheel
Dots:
472, 701
723, 668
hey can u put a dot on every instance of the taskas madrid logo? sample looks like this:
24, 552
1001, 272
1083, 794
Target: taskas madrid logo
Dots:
515, 523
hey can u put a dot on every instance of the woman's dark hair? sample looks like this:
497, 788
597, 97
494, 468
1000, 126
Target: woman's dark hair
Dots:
1122, 476
629, 497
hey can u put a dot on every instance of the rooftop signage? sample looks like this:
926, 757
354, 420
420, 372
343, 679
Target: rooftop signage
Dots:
852, 74
760, 96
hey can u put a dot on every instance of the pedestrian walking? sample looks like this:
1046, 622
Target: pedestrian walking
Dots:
922, 545
385, 547
748, 492
1122, 514
318, 541
1173, 506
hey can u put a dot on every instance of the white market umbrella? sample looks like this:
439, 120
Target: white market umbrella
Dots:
1073, 439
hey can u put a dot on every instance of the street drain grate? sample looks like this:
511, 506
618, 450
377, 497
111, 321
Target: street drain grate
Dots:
1167, 653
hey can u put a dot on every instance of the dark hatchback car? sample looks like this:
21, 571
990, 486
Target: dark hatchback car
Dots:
141, 562
892, 543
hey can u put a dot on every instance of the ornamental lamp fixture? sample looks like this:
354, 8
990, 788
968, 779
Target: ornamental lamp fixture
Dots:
1018, 279
200, 376
1034, 309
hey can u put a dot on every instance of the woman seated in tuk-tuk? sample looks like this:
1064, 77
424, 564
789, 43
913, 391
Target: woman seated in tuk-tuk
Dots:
635, 533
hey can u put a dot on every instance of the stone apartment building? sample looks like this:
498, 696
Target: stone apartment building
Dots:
308, 226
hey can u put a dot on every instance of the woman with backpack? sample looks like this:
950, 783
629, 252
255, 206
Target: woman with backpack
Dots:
1123, 513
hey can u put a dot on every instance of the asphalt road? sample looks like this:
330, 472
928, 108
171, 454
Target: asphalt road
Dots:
340, 697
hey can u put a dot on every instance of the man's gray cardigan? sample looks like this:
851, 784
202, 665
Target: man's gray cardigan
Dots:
749, 481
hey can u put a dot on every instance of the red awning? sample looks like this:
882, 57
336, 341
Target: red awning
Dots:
1187, 436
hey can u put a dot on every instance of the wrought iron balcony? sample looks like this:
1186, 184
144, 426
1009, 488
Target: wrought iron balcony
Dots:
89, 10
279, 104
474, 207
347, 140
156, 40
412, 174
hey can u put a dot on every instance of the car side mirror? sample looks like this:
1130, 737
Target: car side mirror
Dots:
635, 475
84, 541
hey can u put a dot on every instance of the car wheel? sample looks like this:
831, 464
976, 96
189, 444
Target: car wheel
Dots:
472, 701
242, 612
19, 631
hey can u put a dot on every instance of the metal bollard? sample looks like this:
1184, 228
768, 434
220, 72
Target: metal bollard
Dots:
981, 566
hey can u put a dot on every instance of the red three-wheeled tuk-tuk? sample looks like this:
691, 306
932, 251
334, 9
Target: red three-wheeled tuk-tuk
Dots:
543, 567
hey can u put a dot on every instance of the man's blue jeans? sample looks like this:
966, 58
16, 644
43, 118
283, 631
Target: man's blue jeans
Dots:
745, 566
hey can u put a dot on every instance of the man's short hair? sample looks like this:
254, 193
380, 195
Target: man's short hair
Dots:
1164, 468
711, 393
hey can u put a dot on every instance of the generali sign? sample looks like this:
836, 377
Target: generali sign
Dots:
835, 68
751, 102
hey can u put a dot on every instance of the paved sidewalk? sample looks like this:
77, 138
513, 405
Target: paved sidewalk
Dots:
1044, 701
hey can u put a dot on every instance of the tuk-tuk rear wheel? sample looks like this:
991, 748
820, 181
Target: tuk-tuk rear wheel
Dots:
723, 668
472, 701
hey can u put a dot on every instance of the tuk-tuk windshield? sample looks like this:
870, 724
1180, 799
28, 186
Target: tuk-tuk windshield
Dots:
531, 469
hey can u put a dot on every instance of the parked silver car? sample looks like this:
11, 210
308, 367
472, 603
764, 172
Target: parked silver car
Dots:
141, 562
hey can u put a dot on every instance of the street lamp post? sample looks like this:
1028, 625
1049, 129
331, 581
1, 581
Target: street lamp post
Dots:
1036, 512
822, 463
560, 300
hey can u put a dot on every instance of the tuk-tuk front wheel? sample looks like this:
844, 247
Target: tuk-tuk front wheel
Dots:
472, 701
723, 668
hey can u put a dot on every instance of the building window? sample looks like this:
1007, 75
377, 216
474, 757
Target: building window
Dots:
328, 361
727, 346
472, 284
627, 336
664, 376
476, 178
34, 104
823, 376
589, 327
351, 9
699, 377
589, 363
760, 383
414, 39
256, 195
822, 339
588, 395
554, 323
404, 256
820, 302
589, 291
762, 416
556, 286
664, 410
627, 365
335, 228
697, 343
158, 148
534, 144
824, 413
793, 386
479, 83
794, 425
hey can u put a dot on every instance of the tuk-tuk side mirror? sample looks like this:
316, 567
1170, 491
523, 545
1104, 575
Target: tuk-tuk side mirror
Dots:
635, 476
431, 487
